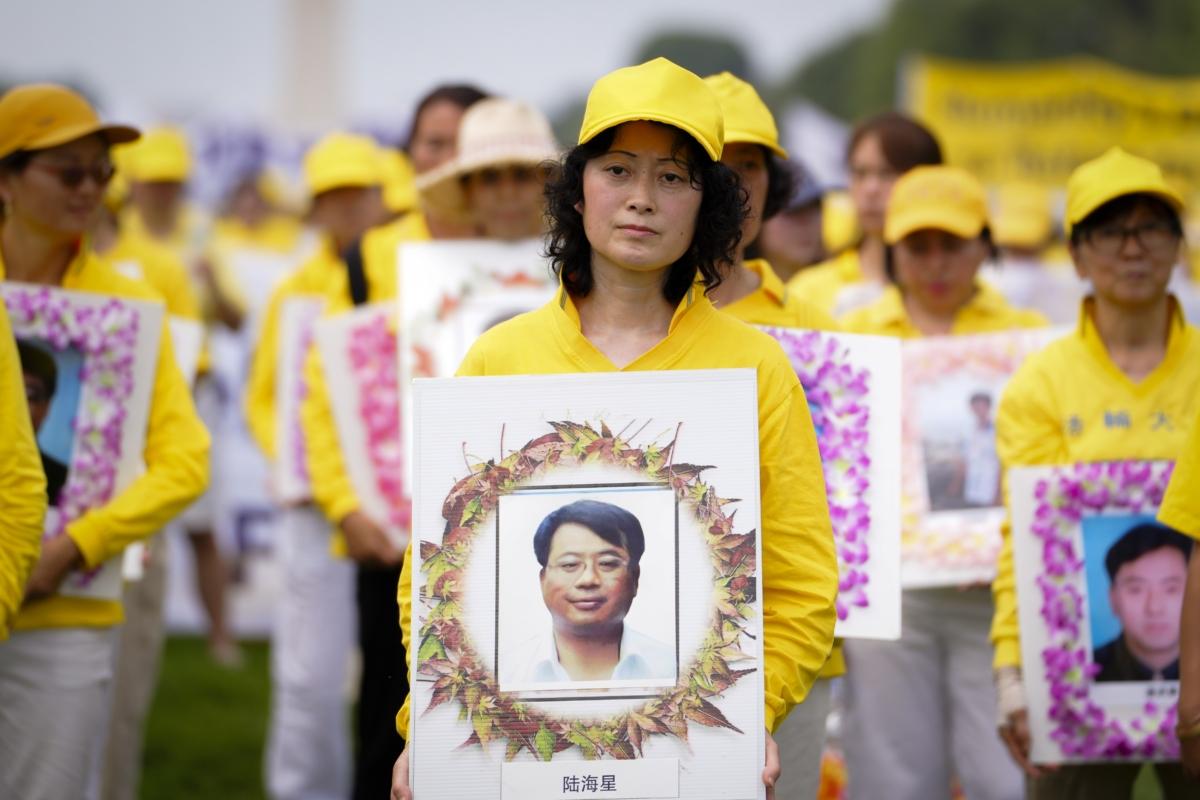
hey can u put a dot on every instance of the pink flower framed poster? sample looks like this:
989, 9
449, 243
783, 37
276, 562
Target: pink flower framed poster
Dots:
88, 361
1099, 594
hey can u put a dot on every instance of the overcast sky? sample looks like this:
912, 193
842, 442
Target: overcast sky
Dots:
228, 58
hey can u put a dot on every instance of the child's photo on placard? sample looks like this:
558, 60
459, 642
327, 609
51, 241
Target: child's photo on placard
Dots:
52, 390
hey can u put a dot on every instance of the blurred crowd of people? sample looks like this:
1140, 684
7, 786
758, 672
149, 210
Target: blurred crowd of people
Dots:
910, 247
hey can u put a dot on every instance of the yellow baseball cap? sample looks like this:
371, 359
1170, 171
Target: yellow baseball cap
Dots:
161, 155
657, 91
342, 160
40, 115
939, 197
747, 118
1112, 175
1022, 216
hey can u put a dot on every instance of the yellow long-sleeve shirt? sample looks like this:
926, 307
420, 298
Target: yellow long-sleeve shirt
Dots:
1181, 507
772, 303
312, 278
822, 284
175, 455
22, 483
799, 564
1070, 404
332, 490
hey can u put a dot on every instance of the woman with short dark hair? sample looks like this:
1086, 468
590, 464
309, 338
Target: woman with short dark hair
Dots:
644, 219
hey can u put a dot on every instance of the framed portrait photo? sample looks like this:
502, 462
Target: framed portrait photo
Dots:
586, 587
951, 503
358, 355
297, 320
88, 362
1100, 591
852, 383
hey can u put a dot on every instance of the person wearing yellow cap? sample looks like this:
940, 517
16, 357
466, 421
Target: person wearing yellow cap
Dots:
23, 494
750, 289
1025, 273
493, 187
1122, 385
640, 211
1180, 510
54, 165
881, 149
936, 237
308, 747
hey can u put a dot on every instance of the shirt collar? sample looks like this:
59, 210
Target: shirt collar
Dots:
547, 667
889, 313
769, 282
1176, 338
694, 299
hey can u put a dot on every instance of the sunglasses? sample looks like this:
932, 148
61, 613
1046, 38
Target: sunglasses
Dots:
72, 176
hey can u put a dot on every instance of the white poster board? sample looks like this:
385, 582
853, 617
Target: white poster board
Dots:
297, 319
950, 471
509, 715
852, 383
1099, 588
92, 360
358, 355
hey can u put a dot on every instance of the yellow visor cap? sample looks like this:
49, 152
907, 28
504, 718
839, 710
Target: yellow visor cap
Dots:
41, 115
342, 160
160, 155
939, 198
1112, 175
657, 91
747, 118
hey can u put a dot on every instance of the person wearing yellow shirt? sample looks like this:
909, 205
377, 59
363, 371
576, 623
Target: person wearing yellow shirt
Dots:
493, 185
640, 209
308, 743
881, 149
1123, 385
936, 675
1180, 510
57, 664
752, 292
22, 483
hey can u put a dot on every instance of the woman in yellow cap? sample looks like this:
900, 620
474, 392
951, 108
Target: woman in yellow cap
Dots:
643, 216
936, 236
1122, 385
1181, 510
308, 742
881, 149
56, 666
750, 290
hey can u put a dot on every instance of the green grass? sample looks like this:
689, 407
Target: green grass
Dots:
205, 735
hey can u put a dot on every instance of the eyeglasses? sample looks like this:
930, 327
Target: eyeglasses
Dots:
1155, 236
72, 176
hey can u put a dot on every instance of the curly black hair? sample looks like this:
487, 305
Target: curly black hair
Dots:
723, 206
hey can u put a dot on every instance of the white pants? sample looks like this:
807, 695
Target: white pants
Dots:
923, 709
54, 693
801, 741
308, 741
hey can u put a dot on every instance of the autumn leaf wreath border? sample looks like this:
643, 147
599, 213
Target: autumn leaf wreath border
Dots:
447, 656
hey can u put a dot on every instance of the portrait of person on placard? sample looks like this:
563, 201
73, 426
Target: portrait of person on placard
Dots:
52, 389
1136, 571
601, 566
958, 443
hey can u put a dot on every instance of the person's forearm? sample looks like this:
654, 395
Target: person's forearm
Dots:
1189, 648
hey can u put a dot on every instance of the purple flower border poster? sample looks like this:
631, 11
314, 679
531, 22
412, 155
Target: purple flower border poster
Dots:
358, 356
113, 346
1071, 526
852, 383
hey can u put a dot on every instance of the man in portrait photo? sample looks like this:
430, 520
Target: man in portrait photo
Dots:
1147, 570
41, 381
590, 555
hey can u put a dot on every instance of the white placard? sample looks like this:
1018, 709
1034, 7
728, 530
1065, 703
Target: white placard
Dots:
297, 319
488, 473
